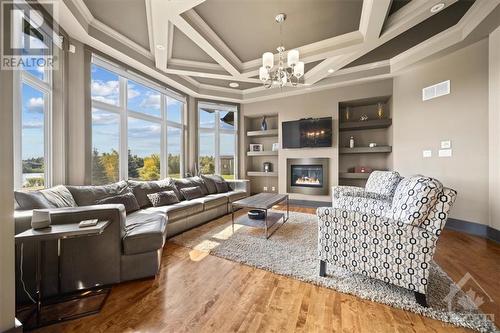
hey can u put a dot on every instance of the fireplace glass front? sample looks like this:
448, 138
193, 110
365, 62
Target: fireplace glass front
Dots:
307, 175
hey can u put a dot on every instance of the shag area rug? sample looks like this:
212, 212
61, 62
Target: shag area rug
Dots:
292, 251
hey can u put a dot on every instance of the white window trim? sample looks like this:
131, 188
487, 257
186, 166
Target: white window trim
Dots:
46, 87
124, 113
217, 131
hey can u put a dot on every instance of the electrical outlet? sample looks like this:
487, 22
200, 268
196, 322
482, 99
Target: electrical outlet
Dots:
273, 189
265, 188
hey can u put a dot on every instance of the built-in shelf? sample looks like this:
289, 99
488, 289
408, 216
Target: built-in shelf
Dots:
354, 175
261, 174
262, 153
366, 150
270, 132
364, 125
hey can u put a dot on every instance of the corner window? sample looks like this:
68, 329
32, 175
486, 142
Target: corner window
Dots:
217, 138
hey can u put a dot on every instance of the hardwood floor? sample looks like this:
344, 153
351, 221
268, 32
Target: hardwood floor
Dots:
197, 292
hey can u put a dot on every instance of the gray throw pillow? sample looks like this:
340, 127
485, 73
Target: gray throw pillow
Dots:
90, 194
163, 198
127, 199
141, 189
222, 187
190, 193
31, 200
59, 196
210, 182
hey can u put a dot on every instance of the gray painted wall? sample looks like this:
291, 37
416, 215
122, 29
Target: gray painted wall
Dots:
461, 116
494, 128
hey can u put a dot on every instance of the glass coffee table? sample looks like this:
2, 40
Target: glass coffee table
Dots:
264, 202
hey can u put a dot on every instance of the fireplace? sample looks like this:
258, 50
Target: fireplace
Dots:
307, 176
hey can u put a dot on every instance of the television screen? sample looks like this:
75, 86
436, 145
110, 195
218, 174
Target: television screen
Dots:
312, 132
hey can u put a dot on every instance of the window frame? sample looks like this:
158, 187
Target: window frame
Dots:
45, 86
217, 130
122, 110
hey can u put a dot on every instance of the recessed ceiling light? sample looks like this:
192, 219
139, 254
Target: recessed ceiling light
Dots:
234, 85
437, 7
330, 70
160, 47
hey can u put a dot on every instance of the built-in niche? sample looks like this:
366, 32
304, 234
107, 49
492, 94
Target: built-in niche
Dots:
368, 124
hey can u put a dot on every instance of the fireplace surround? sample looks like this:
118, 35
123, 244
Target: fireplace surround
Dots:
307, 176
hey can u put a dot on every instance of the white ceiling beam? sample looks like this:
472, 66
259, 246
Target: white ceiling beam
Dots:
204, 44
407, 17
156, 11
373, 15
212, 75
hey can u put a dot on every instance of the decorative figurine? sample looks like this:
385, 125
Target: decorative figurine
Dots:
263, 125
347, 113
380, 110
351, 142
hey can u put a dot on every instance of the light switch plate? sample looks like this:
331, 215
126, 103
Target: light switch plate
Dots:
426, 153
265, 188
273, 188
446, 144
445, 152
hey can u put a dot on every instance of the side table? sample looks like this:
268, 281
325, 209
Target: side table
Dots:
59, 232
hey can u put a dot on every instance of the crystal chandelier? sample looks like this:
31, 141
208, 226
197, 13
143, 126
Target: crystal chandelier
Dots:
281, 75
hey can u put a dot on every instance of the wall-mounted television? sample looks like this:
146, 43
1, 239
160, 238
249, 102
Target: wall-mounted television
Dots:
311, 132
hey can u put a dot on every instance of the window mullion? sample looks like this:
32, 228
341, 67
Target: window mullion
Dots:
217, 142
163, 140
123, 160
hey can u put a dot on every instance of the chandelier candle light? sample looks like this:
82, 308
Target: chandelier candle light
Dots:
281, 75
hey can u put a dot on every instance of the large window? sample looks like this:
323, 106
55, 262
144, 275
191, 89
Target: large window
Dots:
217, 136
33, 119
137, 126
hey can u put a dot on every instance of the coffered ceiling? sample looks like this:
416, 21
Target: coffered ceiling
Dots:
201, 46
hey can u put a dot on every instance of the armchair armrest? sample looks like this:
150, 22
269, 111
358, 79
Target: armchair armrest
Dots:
339, 191
239, 184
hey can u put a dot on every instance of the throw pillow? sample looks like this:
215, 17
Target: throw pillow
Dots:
89, 194
190, 193
141, 189
210, 182
414, 198
163, 198
31, 200
222, 187
59, 196
383, 182
127, 199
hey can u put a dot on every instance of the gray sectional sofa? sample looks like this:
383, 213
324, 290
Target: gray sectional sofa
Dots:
131, 246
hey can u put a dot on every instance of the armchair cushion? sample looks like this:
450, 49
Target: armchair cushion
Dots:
414, 198
364, 202
339, 191
383, 182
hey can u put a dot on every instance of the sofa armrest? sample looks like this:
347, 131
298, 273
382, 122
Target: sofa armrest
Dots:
239, 184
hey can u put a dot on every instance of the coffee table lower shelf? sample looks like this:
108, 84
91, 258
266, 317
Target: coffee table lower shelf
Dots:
272, 219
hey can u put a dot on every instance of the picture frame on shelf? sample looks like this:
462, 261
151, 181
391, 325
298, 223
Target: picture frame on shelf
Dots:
256, 147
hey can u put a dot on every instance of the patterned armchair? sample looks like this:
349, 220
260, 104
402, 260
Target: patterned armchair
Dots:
390, 237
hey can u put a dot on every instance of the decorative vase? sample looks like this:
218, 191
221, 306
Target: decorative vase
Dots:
380, 110
347, 114
263, 125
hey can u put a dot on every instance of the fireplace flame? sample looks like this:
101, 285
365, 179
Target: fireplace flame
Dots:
304, 180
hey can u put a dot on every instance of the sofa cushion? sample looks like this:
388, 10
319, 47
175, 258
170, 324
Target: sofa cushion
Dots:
89, 194
163, 198
144, 232
179, 210
54, 197
141, 189
210, 182
190, 193
126, 199
212, 201
414, 198
235, 195
383, 182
